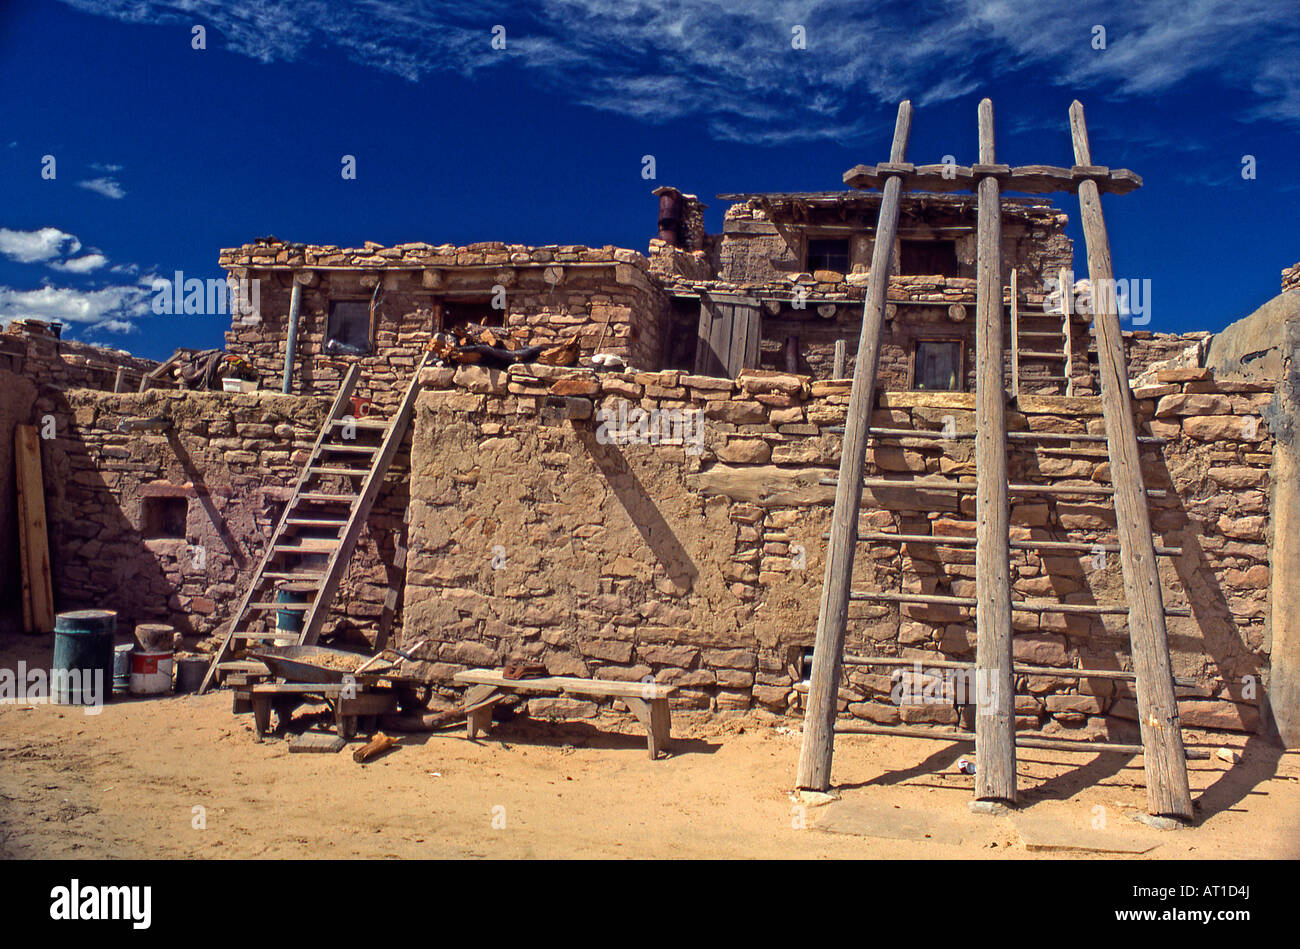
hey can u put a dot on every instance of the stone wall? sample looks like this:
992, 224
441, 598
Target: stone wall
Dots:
603, 297
534, 534
28, 348
234, 459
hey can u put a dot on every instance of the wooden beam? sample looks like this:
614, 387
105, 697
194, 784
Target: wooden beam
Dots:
1168, 793
38, 589
995, 724
841, 359
1032, 179
819, 723
1067, 331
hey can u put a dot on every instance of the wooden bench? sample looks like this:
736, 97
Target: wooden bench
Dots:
648, 701
349, 703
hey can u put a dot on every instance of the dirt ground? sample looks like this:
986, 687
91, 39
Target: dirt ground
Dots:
180, 777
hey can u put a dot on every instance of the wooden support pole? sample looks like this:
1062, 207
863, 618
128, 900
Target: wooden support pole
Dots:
841, 359
819, 723
1015, 335
1168, 794
1067, 331
995, 735
792, 354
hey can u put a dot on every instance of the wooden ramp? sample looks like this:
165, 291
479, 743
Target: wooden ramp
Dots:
313, 543
1168, 793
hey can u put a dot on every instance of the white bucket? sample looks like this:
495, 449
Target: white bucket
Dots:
151, 672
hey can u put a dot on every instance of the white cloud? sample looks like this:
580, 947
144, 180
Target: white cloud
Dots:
108, 308
735, 71
105, 169
83, 264
30, 247
108, 187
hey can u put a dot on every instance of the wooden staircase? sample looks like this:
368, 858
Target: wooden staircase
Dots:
318, 531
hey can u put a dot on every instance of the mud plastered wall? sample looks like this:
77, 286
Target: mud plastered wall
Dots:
531, 536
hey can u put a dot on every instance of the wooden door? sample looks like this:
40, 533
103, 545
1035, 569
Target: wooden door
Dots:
730, 332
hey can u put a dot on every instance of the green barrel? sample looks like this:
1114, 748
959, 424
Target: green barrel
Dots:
83, 647
292, 591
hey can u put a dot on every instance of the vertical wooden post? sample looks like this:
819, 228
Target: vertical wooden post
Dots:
1168, 794
828, 650
1067, 293
1015, 335
841, 359
995, 739
792, 354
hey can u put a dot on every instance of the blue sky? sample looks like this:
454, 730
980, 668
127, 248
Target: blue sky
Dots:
164, 153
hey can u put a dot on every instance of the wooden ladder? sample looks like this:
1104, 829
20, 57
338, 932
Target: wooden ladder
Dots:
318, 530
994, 734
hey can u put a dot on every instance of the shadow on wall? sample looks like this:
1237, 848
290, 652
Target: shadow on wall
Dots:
631, 493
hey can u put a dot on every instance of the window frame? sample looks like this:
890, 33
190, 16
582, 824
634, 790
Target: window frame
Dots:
370, 324
961, 362
807, 252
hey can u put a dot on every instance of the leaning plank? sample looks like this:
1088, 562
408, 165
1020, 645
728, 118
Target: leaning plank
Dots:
995, 716
832, 619
1168, 793
35, 544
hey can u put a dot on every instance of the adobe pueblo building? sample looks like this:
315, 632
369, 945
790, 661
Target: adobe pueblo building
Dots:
518, 515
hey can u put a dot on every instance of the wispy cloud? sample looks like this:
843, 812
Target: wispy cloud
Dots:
83, 264
108, 187
736, 70
38, 246
111, 309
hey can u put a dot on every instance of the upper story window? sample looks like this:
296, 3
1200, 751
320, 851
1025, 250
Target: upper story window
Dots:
928, 258
828, 254
348, 330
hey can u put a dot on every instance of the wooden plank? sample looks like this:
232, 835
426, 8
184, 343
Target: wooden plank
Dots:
1017, 606
366, 495
35, 549
607, 687
1168, 793
1028, 179
819, 724
24, 556
841, 359
995, 717
339, 408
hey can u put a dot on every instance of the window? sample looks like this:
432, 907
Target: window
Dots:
163, 517
828, 255
462, 313
937, 365
348, 330
929, 258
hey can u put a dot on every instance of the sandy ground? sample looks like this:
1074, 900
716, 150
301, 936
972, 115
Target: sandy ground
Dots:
127, 782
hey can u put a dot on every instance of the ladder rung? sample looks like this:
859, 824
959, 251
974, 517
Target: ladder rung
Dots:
289, 607
351, 449
284, 634
363, 424
941, 484
314, 522
1022, 606
314, 546
334, 470
961, 541
319, 497
1065, 672
1011, 436
1047, 357
291, 575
